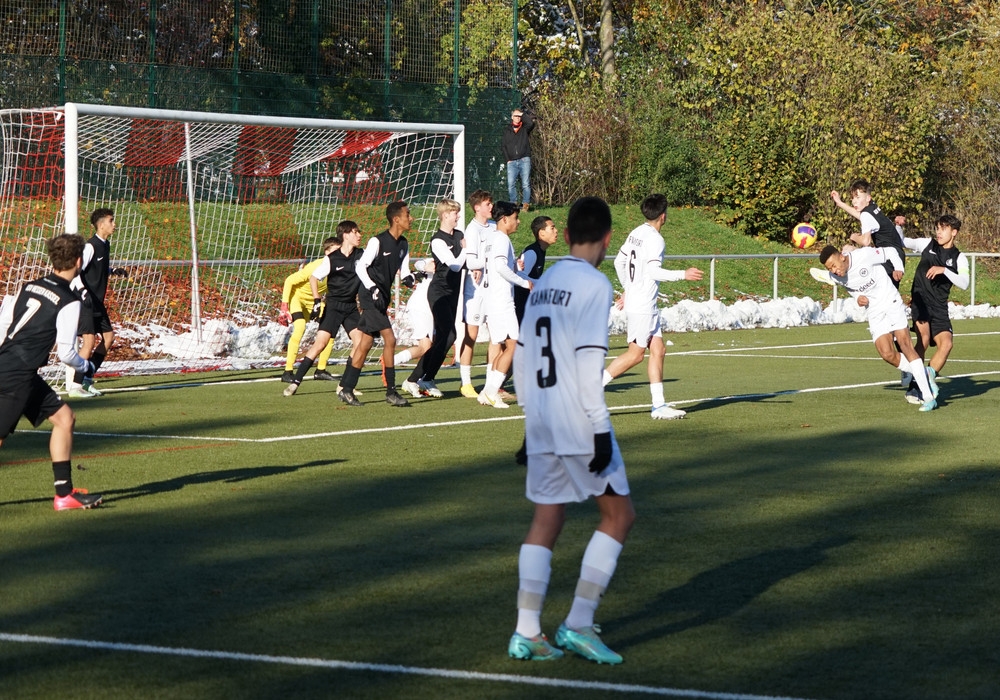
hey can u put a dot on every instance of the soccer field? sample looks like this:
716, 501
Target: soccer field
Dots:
803, 533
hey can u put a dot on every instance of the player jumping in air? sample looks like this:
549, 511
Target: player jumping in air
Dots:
862, 273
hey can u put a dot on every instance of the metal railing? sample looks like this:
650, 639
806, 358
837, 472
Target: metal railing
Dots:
973, 257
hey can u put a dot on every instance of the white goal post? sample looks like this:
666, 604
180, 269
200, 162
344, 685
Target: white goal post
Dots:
213, 211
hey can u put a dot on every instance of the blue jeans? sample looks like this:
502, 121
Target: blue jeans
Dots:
522, 168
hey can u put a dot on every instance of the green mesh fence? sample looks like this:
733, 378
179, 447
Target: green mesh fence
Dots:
447, 61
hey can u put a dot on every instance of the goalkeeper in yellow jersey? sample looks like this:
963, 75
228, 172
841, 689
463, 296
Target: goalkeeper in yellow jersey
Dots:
297, 307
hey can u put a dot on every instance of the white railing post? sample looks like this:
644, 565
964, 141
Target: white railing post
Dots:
972, 281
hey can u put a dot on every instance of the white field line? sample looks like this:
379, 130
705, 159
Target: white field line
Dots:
496, 419
736, 352
381, 668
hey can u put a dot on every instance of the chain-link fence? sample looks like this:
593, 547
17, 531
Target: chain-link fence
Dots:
449, 61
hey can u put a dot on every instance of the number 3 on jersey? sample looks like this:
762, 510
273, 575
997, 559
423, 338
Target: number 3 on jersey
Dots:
543, 329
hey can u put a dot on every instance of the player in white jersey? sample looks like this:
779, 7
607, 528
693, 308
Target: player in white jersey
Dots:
639, 267
862, 273
472, 307
570, 447
499, 277
421, 322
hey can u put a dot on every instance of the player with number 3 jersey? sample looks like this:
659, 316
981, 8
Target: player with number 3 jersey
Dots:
569, 447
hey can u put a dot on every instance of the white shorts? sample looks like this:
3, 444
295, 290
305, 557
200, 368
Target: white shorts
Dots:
553, 479
473, 299
643, 327
887, 320
422, 323
502, 322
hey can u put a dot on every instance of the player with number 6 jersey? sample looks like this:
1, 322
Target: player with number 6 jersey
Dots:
639, 268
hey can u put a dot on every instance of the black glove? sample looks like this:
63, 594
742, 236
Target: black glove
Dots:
602, 452
319, 306
119, 272
409, 282
521, 456
378, 301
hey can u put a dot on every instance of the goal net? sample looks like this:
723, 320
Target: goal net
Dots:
213, 211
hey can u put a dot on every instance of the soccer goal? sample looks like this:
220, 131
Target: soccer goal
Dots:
213, 211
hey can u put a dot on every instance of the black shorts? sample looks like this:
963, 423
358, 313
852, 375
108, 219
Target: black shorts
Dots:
337, 314
933, 314
86, 323
102, 322
373, 322
93, 317
30, 397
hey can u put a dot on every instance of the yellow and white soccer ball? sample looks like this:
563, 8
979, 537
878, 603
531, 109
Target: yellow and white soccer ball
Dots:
803, 236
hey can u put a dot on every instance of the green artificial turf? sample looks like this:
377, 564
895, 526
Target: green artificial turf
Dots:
832, 543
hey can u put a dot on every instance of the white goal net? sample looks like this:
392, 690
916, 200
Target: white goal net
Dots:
213, 211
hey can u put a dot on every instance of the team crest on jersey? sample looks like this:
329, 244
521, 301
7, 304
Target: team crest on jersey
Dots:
863, 272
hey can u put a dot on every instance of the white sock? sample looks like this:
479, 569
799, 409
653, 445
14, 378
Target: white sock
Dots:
466, 373
920, 377
493, 381
599, 563
656, 391
606, 378
402, 357
534, 567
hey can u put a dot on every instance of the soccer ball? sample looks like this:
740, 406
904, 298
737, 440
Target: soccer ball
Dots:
803, 235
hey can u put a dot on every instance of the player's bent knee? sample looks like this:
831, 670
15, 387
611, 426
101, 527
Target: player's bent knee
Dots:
64, 418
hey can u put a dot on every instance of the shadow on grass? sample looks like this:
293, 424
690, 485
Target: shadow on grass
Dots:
226, 476
405, 553
724, 590
966, 387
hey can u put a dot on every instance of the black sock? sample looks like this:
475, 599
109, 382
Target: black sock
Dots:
97, 360
63, 473
350, 378
78, 377
390, 379
304, 364
418, 372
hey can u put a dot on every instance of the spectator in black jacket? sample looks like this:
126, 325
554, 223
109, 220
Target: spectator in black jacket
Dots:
517, 152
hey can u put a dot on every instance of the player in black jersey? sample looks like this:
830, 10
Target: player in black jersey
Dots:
95, 330
443, 295
340, 307
385, 256
941, 266
533, 258
877, 229
45, 313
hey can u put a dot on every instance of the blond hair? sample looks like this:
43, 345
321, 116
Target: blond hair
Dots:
446, 205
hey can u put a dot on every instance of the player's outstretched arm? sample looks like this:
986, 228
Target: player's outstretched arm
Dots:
835, 196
